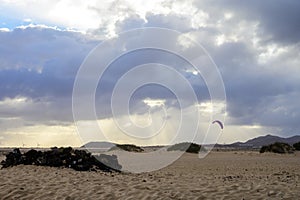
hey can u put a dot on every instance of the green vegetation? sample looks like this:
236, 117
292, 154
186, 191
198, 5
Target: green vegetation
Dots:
297, 146
127, 147
277, 147
187, 147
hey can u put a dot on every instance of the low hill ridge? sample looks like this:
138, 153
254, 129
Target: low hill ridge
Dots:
266, 140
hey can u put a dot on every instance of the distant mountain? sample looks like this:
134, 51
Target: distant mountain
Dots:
252, 143
98, 145
266, 140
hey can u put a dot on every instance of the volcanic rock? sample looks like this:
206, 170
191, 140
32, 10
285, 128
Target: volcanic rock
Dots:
79, 160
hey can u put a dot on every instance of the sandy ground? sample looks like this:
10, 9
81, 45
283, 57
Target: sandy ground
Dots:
220, 175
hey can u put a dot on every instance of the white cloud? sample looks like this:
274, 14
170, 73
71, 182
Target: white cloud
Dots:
199, 20
27, 20
14, 101
154, 102
89, 15
185, 42
211, 107
4, 30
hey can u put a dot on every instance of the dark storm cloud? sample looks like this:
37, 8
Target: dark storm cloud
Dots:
33, 84
138, 58
255, 90
266, 92
278, 21
36, 46
258, 93
39, 61
40, 64
44, 64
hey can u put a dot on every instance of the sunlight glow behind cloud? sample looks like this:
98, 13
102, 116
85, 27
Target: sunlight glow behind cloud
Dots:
43, 43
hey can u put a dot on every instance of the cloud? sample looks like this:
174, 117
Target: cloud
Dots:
277, 21
255, 45
41, 61
38, 65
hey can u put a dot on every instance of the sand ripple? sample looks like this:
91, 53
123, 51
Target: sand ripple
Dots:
221, 175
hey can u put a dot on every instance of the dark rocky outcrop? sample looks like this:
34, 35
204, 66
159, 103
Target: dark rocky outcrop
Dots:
79, 160
110, 161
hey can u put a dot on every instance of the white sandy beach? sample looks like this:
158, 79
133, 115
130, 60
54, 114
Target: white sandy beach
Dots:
220, 175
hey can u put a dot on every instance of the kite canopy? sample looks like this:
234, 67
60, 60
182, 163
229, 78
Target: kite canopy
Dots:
218, 122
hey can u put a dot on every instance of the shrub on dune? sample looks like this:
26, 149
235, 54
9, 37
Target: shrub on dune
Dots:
187, 147
277, 147
127, 147
297, 146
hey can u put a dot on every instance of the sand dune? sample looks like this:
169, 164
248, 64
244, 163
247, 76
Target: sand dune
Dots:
220, 175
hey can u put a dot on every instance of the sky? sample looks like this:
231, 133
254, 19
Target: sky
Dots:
255, 46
